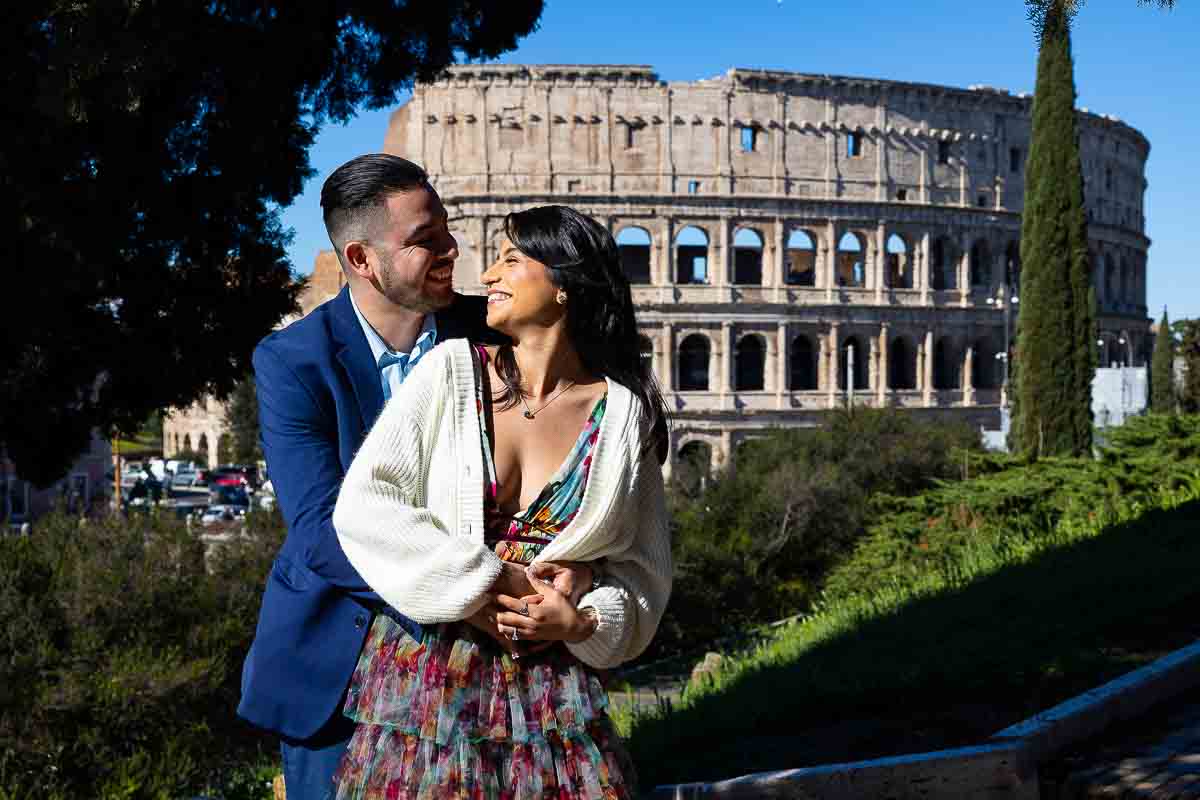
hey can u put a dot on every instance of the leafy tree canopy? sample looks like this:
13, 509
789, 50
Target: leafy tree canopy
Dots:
143, 177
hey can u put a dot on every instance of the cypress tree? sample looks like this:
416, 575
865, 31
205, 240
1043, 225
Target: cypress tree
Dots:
1162, 369
1056, 334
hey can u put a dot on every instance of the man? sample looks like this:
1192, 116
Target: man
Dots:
321, 383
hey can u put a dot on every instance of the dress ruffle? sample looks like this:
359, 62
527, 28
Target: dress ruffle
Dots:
454, 716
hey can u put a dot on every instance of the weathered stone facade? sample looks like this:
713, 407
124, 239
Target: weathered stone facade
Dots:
769, 219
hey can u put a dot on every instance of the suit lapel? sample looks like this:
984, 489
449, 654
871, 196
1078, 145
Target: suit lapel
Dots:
354, 354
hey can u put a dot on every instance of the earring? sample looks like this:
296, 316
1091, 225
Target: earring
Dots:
561, 297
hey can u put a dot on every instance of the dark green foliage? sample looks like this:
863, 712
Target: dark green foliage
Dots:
142, 180
122, 656
1056, 329
755, 545
241, 418
1162, 369
951, 668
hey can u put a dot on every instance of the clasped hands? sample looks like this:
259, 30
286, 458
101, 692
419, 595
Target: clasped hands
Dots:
533, 607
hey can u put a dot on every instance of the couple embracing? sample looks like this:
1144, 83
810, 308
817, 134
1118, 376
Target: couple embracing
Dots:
474, 502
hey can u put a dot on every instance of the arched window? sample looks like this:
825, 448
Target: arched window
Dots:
899, 265
1126, 294
692, 467
1012, 267
801, 260
646, 354
985, 367
691, 256
943, 272
803, 367
751, 358
747, 257
633, 244
861, 356
851, 263
187, 442
902, 365
693, 364
202, 445
981, 264
946, 367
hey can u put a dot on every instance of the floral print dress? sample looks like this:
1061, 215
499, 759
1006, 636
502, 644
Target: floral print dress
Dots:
454, 716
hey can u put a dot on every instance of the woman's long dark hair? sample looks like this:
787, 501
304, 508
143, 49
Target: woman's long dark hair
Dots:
582, 260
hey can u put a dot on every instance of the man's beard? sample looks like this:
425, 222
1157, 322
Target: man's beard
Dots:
413, 298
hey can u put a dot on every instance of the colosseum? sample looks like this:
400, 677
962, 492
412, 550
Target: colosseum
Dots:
795, 242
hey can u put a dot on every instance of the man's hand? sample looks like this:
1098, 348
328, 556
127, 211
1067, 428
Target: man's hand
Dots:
570, 578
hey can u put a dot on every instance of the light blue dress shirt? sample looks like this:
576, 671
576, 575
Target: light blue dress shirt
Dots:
394, 367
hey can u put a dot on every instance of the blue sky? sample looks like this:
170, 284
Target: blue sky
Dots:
1138, 63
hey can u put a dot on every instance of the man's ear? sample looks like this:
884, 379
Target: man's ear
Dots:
355, 255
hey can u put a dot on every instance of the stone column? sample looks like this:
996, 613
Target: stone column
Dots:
927, 369
726, 366
832, 354
922, 276
664, 264
720, 269
880, 262
964, 270
774, 270
968, 378
831, 267
782, 362
873, 380
882, 374
666, 373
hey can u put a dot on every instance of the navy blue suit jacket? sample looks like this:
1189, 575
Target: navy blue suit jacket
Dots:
318, 394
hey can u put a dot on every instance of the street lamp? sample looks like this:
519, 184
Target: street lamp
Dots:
1004, 301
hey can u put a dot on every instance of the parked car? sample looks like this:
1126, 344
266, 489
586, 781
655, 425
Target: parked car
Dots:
225, 495
218, 514
236, 474
189, 483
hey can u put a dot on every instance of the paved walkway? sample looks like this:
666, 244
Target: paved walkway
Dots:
1159, 757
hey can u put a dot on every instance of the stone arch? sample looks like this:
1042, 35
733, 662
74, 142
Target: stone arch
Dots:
862, 356
202, 445
747, 257
1126, 291
899, 263
750, 363
693, 464
801, 258
980, 263
985, 367
851, 260
633, 245
694, 355
691, 256
802, 366
187, 442
1012, 266
902, 364
947, 366
943, 264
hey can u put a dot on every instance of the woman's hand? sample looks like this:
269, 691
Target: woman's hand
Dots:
571, 578
548, 616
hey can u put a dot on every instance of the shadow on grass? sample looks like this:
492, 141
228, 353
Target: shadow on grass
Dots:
950, 669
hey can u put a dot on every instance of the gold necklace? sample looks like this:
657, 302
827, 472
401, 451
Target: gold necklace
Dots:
529, 414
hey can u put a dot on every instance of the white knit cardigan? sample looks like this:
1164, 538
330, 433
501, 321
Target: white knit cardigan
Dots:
410, 512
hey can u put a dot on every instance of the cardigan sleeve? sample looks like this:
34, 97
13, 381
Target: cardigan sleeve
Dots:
637, 578
404, 551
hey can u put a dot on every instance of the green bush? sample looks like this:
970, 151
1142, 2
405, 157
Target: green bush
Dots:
756, 542
123, 643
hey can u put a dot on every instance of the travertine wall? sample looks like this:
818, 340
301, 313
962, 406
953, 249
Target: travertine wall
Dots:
826, 211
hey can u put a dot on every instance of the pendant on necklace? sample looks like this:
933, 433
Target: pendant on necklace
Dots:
528, 415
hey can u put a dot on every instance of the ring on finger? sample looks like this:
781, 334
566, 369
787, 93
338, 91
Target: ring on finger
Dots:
514, 635
524, 612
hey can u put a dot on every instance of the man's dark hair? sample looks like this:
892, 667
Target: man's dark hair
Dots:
353, 197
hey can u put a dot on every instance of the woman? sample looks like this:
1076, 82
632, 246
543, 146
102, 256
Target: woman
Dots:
490, 459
